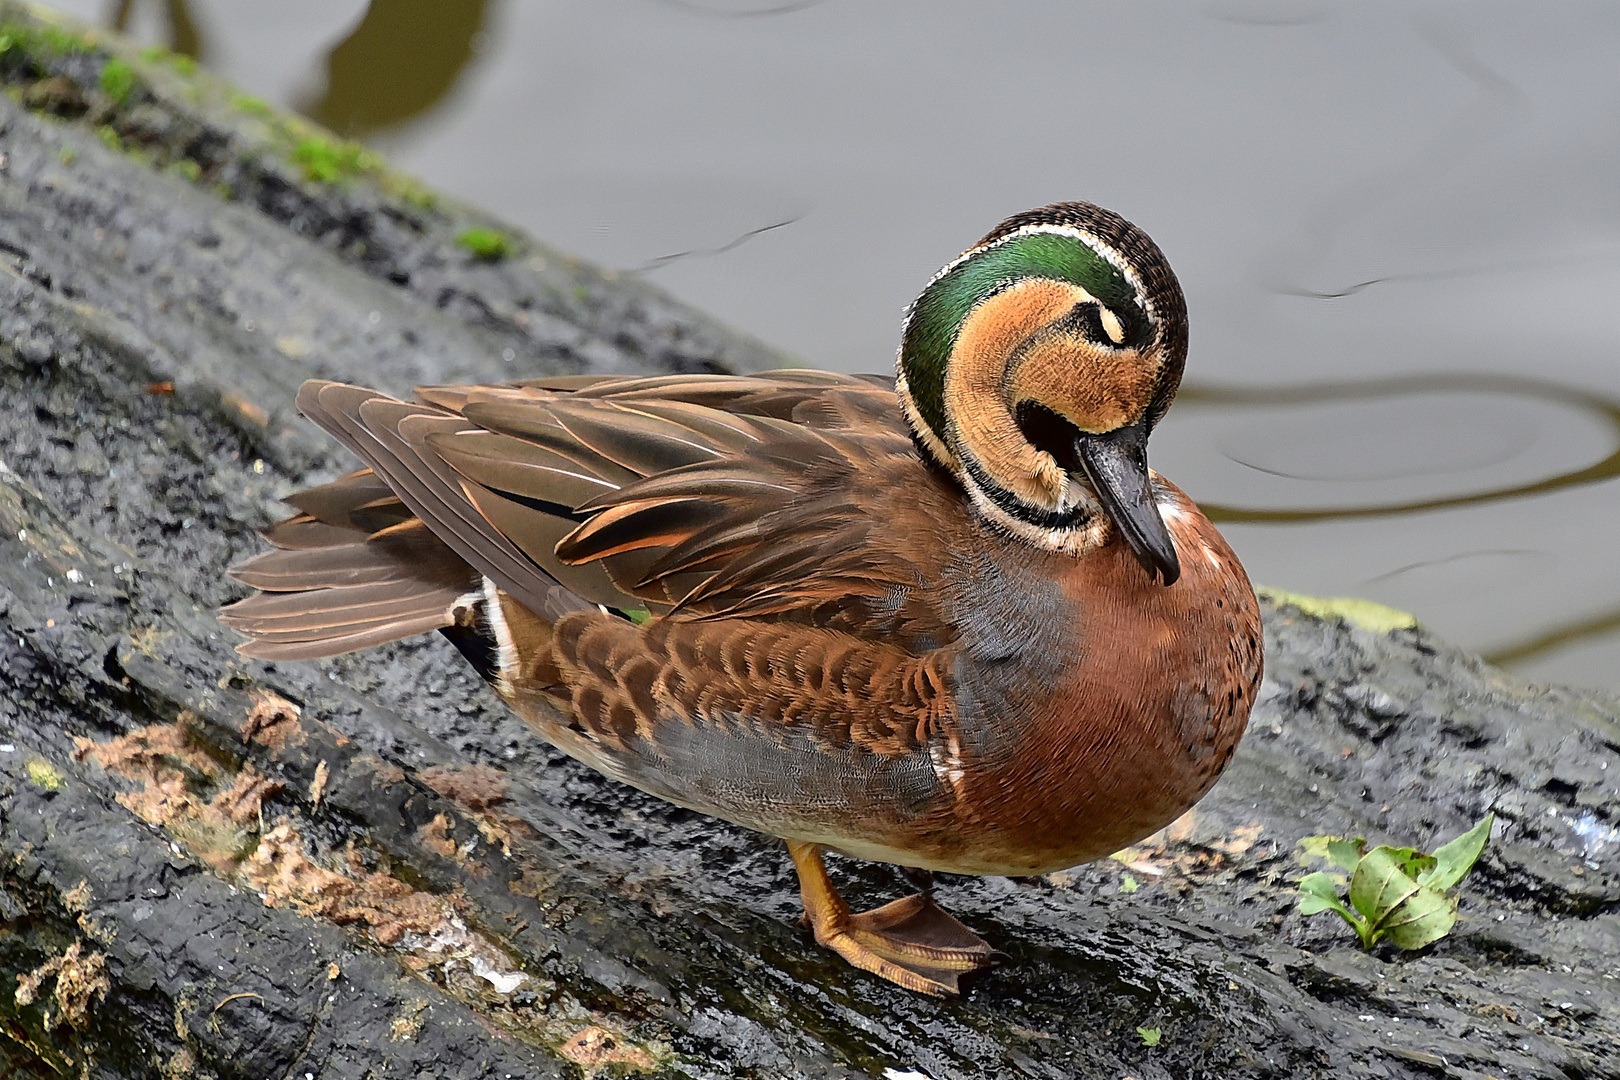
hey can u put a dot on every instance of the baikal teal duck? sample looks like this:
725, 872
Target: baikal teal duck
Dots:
949, 621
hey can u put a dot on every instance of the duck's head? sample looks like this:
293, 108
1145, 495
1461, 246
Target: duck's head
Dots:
1035, 365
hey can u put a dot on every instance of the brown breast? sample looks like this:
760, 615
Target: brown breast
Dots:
1119, 709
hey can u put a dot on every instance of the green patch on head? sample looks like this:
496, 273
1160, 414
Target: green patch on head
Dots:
937, 316
1366, 614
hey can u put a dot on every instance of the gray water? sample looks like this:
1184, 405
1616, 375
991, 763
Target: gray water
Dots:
1398, 227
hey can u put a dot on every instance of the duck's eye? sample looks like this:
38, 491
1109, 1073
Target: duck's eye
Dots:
1098, 323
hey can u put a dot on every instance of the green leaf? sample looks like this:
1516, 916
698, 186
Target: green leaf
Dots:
1411, 861
1128, 884
1150, 1036
1381, 883
1345, 853
1422, 918
1341, 851
1315, 847
1453, 860
1319, 892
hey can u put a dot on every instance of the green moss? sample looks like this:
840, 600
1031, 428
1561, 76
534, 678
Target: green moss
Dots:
42, 774
40, 42
251, 105
1366, 614
157, 54
329, 162
488, 244
109, 135
410, 191
118, 80
187, 169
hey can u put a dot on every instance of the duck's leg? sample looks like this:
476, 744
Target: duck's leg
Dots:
911, 941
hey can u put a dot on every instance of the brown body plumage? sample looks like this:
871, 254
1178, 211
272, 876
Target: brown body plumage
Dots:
755, 597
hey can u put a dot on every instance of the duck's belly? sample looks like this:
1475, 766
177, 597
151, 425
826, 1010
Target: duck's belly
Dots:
918, 810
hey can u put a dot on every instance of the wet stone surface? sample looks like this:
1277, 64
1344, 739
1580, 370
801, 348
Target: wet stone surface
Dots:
367, 867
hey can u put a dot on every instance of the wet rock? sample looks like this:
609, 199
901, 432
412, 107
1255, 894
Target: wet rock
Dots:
366, 866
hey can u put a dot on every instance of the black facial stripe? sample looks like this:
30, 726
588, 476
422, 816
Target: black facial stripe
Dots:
1072, 518
1087, 319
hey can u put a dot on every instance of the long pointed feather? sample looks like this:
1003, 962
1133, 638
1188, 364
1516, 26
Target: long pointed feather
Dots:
506, 463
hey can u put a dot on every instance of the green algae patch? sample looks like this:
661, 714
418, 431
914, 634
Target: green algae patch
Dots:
252, 106
118, 80
42, 774
491, 245
410, 191
332, 161
181, 63
1366, 614
40, 42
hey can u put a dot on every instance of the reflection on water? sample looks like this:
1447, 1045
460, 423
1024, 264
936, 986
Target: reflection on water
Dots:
183, 36
1393, 388
397, 64
1519, 389
1395, 226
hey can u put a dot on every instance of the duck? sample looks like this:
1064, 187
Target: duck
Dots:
947, 620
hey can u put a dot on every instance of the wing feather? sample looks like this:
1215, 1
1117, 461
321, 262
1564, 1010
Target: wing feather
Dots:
706, 495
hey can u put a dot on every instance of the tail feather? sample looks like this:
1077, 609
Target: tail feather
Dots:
392, 551
355, 591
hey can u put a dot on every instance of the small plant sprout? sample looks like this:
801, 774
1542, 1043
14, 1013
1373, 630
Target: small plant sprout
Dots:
1150, 1036
1395, 893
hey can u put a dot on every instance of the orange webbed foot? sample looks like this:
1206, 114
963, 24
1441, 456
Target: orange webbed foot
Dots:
912, 942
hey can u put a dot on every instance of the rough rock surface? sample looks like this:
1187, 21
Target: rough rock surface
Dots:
366, 867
